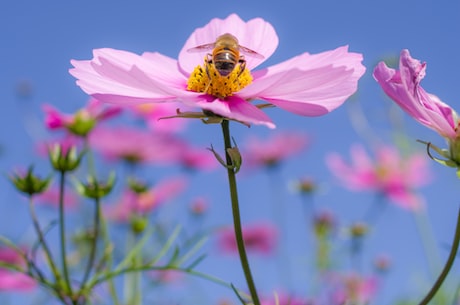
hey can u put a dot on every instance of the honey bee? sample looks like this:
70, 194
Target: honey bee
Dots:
225, 54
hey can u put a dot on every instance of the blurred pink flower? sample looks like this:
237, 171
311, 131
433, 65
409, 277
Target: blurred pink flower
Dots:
199, 206
50, 197
390, 174
274, 150
355, 289
194, 158
309, 85
82, 121
284, 299
135, 145
153, 114
66, 142
259, 238
132, 203
403, 86
13, 280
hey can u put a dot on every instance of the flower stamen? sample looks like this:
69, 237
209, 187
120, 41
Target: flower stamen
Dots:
207, 79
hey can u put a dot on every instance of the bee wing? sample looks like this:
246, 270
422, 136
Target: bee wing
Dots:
250, 52
201, 48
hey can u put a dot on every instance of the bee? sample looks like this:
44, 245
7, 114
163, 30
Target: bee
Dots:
225, 54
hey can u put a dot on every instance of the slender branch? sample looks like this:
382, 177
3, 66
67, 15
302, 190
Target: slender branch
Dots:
62, 232
236, 215
42, 240
447, 267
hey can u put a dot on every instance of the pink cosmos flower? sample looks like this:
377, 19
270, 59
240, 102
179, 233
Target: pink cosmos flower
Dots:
12, 280
134, 145
309, 85
83, 120
271, 151
355, 289
403, 86
193, 158
132, 203
259, 238
389, 174
153, 114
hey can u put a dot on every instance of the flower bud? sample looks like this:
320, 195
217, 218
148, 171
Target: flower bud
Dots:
64, 160
29, 183
358, 230
137, 186
96, 189
139, 223
82, 124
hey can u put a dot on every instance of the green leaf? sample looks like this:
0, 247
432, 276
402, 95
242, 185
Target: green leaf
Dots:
166, 246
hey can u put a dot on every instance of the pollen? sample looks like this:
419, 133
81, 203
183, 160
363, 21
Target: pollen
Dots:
207, 79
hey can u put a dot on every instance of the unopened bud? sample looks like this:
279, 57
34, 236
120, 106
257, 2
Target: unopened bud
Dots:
29, 183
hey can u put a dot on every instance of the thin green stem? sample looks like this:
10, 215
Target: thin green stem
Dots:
62, 232
42, 240
236, 215
447, 267
109, 262
92, 254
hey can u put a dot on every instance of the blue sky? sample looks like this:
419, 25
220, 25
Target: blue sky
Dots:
40, 37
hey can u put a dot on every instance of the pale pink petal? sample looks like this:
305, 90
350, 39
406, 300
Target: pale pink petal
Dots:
14, 281
116, 76
404, 88
309, 85
237, 109
256, 34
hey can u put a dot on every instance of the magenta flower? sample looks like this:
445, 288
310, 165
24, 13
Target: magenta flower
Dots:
134, 145
274, 150
13, 280
258, 238
389, 174
403, 86
83, 121
142, 203
309, 85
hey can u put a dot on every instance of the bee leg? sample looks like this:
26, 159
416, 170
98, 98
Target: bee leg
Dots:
208, 61
242, 63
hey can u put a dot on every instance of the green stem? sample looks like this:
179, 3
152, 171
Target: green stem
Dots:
236, 215
42, 240
109, 263
447, 267
62, 232
92, 254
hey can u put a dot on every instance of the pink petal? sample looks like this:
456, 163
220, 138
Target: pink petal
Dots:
256, 34
53, 118
123, 77
237, 109
404, 88
309, 85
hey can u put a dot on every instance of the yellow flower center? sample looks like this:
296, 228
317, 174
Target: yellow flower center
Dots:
208, 80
